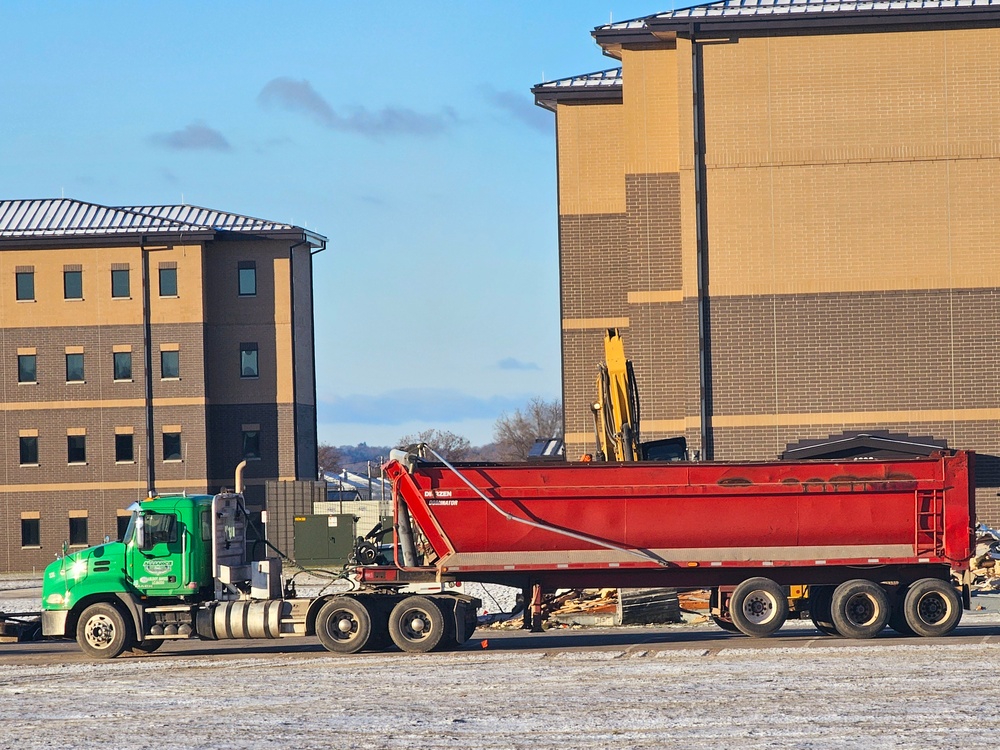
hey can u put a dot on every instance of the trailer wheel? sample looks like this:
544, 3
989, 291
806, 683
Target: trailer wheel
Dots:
343, 625
860, 608
932, 607
725, 623
821, 610
417, 624
758, 607
102, 632
897, 617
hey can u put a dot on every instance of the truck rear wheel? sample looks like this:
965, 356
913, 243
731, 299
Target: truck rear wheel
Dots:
417, 624
758, 607
932, 607
860, 608
343, 625
102, 631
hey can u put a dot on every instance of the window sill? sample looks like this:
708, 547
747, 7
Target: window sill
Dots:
241, 296
27, 382
169, 296
72, 299
26, 300
76, 463
31, 546
28, 466
249, 377
125, 463
82, 545
173, 460
113, 298
76, 382
165, 380
124, 380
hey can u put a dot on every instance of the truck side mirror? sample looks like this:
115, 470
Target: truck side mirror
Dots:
140, 532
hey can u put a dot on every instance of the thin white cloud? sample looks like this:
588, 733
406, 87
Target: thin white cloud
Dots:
196, 136
300, 97
520, 107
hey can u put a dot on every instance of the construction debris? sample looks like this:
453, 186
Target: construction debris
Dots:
985, 564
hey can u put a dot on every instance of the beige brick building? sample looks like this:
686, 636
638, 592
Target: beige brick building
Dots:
145, 347
790, 210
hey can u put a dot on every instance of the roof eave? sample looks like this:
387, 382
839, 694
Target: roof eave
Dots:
99, 239
549, 98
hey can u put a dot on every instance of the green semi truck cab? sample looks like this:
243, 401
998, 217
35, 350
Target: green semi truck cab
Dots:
183, 570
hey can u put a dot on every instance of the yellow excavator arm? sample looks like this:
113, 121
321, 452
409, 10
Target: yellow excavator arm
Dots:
616, 411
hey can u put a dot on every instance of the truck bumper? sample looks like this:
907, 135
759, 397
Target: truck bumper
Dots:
54, 623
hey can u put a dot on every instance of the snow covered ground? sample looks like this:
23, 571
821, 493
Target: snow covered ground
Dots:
887, 695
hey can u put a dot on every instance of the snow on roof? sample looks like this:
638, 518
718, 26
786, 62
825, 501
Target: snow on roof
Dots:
757, 8
602, 78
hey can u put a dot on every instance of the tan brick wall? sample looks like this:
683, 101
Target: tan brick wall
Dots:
591, 159
851, 182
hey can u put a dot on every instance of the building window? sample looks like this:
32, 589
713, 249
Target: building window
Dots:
123, 365
29, 450
74, 368
120, 283
171, 446
25, 285
170, 365
248, 360
78, 532
251, 443
31, 534
124, 449
26, 369
168, 282
122, 526
76, 449
73, 284
248, 278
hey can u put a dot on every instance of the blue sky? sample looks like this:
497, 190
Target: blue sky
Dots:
404, 132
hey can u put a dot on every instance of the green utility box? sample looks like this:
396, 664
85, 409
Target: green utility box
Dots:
324, 539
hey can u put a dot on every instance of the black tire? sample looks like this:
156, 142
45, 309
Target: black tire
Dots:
103, 632
759, 607
860, 608
725, 623
820, 609
378, 610
932, 607
146, 647
897, 617
343, 625
417, 625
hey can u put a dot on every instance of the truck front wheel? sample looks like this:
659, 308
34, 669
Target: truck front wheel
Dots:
102, 631
758, 607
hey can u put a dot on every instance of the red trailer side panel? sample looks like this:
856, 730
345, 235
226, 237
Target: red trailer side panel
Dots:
685, 514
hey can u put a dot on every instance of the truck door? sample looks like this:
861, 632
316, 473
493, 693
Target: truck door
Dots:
157, 564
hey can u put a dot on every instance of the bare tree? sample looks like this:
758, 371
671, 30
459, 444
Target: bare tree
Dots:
330, 458
514, 434
453, 447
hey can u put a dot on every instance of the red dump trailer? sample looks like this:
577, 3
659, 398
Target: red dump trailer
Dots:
876, 542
